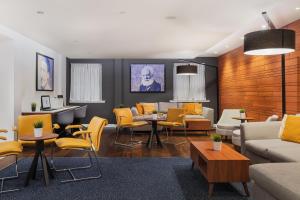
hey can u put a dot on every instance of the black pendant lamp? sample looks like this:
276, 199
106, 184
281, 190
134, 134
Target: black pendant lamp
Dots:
187, 69
269, 42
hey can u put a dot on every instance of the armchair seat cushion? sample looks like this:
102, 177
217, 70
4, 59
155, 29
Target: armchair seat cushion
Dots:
279, 179
10, 148
228, 126
69, 143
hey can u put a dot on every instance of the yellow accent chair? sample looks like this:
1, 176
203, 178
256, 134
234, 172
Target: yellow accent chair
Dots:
175, 118
10, 148
124, 119
85, 140
25, 127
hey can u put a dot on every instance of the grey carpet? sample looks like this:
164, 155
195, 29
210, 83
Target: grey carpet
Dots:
123, 178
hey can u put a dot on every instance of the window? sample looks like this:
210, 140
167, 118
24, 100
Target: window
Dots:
189, 87
86, 83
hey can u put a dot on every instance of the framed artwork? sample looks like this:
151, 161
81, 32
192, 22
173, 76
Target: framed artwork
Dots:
44, 73
147, 78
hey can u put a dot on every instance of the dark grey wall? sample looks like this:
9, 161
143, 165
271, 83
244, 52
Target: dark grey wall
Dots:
116, 84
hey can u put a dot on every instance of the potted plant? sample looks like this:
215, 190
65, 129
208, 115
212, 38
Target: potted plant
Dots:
33, 106
217, 142
38, 129
154, 114
242, 113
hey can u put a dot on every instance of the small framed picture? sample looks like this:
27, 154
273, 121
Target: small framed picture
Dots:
147, 78
44, 73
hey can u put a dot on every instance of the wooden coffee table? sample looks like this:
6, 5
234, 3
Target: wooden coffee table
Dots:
222, 166
198, 124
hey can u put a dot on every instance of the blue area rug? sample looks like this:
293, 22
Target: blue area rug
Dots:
122, 178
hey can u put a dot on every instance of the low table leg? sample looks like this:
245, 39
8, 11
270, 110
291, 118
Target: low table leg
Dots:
44, 165
32, 169
193, 164
246, 189
210, 189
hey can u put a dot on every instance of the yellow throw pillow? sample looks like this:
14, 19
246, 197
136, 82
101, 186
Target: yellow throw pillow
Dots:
291, 130
139, 108
192, 108
148, 108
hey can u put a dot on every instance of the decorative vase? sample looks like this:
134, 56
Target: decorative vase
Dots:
154, 116
217, 146
38, 132
243, 115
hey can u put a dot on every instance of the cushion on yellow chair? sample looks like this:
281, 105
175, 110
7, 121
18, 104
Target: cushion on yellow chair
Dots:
291, 130
165, 123
148, 108
193, 108
139, 108
10, 148
70, 143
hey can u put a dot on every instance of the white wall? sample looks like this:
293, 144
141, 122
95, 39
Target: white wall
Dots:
7, 83
24, 69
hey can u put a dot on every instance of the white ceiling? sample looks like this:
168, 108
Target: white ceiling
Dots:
140, 28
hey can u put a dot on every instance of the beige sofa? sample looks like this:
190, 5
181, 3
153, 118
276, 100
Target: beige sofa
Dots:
276, 169
208, 113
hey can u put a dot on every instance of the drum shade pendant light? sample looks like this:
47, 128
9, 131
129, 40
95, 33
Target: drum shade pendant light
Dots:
187, 69
269, 42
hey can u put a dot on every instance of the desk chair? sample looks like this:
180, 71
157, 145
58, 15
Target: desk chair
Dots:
64, 119
11, 148
175, 118
88, 140
124, 119
25, 127
79, 114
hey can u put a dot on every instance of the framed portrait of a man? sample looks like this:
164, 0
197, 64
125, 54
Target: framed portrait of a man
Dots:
147, 78
44, 73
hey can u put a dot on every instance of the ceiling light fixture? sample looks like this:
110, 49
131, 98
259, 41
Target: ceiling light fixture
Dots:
269, 42
298, 8
187, 69
40, 12
170, 17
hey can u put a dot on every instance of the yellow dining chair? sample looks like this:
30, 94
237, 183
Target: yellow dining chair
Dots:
85, 140
25, 127
175, 118
11, 148
124, 119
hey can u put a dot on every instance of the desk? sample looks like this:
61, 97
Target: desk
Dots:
39, 112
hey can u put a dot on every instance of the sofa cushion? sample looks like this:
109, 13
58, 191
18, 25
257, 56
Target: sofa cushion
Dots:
285, 154
278, 179
268, 148
148, 108
164, 106
193, 108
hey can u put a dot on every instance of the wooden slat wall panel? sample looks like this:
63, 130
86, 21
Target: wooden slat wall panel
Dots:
254, 82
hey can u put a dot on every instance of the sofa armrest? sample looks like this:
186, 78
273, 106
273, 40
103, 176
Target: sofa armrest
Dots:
208, 113
258, 131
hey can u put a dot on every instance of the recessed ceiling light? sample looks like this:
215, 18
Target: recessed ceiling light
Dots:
264, 26
216, 52
40, 12
298, 8
170, 17
122, 12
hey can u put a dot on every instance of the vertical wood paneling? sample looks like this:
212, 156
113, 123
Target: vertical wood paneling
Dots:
254, 82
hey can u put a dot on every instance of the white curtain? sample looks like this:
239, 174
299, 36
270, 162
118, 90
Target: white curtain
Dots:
86, 83
189, 87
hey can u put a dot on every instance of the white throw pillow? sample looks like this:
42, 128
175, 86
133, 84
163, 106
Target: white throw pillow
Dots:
282, 125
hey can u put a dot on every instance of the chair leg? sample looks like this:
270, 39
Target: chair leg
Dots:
9, 178
74, 178
132, 144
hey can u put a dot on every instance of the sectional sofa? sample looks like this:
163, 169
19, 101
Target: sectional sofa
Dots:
208, 113
276, 169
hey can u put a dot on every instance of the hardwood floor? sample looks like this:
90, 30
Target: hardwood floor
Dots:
108, 149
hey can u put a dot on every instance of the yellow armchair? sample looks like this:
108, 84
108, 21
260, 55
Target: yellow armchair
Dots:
124, 119
25, 127
175, 118
10, 148
89, 141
